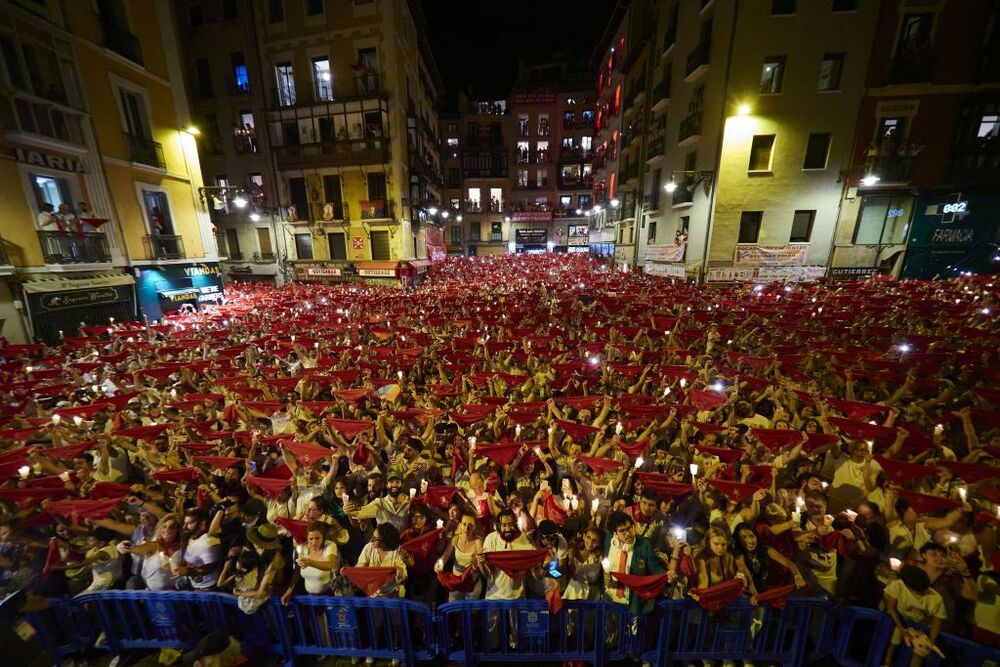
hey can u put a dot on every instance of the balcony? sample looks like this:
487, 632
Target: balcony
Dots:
74, 248
890, 168
628, 173
374, 150
165, 246
263, 257
655, 150
669, 40
576, 154
474, 206
697, 62
532, 185
118, 39
690, 129
570, 183
235, 256
661, 95
145, 151
976, 160
683, 195
364, 86
912, 65
234, 87
484, 164
533, 157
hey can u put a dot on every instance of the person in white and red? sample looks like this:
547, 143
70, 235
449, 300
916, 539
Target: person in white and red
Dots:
202, 553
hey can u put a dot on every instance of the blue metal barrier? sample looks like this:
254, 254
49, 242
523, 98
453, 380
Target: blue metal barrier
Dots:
475, 631
957, 651
138, 620
861, 637
385, 628
63, 628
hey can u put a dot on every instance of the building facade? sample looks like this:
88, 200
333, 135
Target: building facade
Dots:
922, 191
100, 178
323, 150
733, 136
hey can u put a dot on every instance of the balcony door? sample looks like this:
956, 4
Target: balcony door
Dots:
158, 212
134, 114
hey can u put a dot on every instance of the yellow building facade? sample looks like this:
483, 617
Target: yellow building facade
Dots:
101, 217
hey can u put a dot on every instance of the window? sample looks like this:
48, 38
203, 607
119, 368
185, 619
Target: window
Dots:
567, 143
651, 236
285, 77
829, 71
452, 128
332, 196
314, 7
883, 220
134, 112
195, 16
233, 241
264, 243
303, 246
750, 226
257, 179
229, 9
771, 74
204, 75
338, 245
376, 186
322, 79
583, 201
844, 5
543, 125
569, 117
565, 201
241, 80
454, 177
817, 151
456, 235
782, 7
760, 152
496, 231
380, 246
522, 178
51, 190
298, 198
456, 203
802, 226
915, 34
277, 12
586, 143
989, 127
475, 231
157, 209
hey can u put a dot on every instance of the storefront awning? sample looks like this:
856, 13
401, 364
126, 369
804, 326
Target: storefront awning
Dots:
377, 265
421, 265
53, 283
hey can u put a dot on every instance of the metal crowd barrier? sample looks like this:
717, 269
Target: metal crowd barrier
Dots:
474, 631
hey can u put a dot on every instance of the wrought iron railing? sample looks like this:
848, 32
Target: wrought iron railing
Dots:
71, 247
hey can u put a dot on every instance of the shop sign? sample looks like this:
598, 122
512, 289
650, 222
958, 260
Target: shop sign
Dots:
531, 236
180, 297
665, 252
853, 272
202, 270
377, 273
771, 255
53, 301
534, 97
40, 159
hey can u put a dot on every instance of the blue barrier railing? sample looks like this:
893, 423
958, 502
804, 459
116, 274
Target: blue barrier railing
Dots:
474, 631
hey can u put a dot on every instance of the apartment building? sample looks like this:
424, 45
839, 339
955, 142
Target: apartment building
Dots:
735, 132
100, 183
921, 193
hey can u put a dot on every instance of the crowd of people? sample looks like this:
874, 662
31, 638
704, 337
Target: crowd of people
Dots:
531, 426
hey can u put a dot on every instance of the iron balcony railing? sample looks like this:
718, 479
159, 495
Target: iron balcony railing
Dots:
165, 246
145, 151
4, 259
71, 247
690, 126
697, 58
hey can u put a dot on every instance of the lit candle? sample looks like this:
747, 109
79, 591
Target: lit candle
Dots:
851, 514
30, 369
824, 484
796, 516
472, 441
594, 504
606, 564
962, 492
440, 523
413, 492
77, 420
678, 532
619, 428
895, 564
683, 382
871, 446
666, 391
315, 346
345, 499
61, 334
638, 462
55, 419
694, 469
293, 338
517, 431
399, 374
112, 320
24, 471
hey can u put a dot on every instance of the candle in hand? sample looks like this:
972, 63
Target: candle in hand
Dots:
895, 564
638, 462
594, 504
619, 428
606, 564
694, 469
440, 523
24, 471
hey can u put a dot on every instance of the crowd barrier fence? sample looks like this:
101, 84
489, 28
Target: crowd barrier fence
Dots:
482, 631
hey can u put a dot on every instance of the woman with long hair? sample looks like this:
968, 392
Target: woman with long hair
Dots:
464, 547
766, 566
160, 555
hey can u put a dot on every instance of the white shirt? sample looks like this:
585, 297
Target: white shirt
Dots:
317, 581
501, 585
157, 571
202, 551
614, 558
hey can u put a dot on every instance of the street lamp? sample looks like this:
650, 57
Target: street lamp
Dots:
445, 214
254, 216
239, 201
458, 217
432, 210
670, 187
691, 180
506, 218
615, 202
870, 180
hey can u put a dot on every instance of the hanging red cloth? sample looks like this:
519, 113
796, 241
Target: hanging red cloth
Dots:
634, 449
776, 597
554, 599
82, 509
646, 586
270, 486
349, 428
599, 465
177, 476
221, 462
706, 400
420, 547
463, 583
715, 598
576, 431
369, 579
553, 511
515, 564
437, 496
502, 453
297, 529
307, 454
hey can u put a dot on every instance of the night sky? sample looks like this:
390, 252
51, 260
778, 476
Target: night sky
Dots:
477, 43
